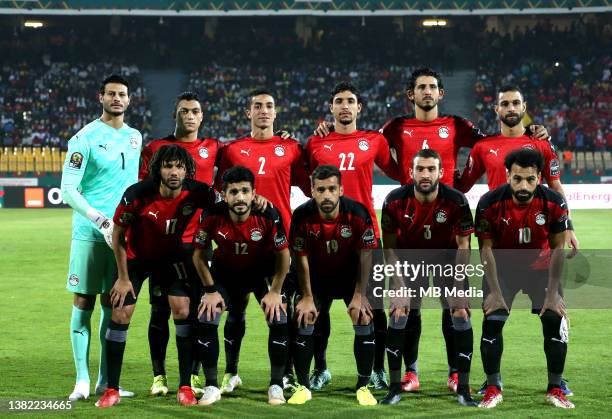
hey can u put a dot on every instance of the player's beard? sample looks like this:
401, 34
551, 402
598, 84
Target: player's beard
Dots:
427, 106
110, 111
522, 195
346, 121
247, 208
426, 191
173, 187
329, 207
512, 120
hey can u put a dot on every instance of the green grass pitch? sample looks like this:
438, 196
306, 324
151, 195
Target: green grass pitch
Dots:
36, 360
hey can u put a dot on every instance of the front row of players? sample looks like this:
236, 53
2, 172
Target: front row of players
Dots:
332, 238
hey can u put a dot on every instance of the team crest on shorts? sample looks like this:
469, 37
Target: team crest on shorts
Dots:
345, 232
441, 216
279, 150
256, 234
201, 237
443, 132
134, 142
187, 210
540, 218
76, 160
363, 145
126, 217
203, 152
73, 280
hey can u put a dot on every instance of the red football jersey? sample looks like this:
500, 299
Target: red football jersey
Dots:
513, 226
445, 134
354, 154
242, 247
155, 225
204, 153
489, 154
333, 246
276, 163
433, 225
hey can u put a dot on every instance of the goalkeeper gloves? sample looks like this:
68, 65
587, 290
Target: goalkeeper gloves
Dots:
105, 225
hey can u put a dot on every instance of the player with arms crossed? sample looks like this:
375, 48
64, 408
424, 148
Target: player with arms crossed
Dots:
188, 116
427, 215
532, 220
252, 256
354, 152
101, 162
328, 234
277, 163
147, 241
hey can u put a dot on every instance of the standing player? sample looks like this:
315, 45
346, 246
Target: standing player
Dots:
489, 154
149, 225
188, 116
101, 162
277, 164
427, 215
328, 235
446, 135
530, 219
251, 256
354, 152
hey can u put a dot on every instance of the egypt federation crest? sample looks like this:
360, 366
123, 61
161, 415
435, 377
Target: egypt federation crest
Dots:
346, 232
363, 145
203, 152
441, 216
73, 280
540, 218
279, 150
256, 234
134, 142
443, 132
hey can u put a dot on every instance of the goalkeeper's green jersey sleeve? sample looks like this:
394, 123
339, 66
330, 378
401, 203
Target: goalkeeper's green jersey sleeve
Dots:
100, 164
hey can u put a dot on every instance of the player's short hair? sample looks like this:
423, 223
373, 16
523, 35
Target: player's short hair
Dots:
257, 92
168, 153
346, 86
114, 78
424, 71
186, 96
237, 174
510, 88
428, 153
525, 157
325, 171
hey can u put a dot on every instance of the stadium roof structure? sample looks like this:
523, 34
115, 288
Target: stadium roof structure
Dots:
301, 7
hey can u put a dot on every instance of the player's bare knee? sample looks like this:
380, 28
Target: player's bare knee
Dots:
84, 301
180, 307
122, 315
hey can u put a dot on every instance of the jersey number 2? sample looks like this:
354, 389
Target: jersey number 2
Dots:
343, 160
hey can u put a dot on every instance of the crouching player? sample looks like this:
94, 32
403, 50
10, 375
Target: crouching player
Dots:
149, 224
532, 220
252, 255
329, 233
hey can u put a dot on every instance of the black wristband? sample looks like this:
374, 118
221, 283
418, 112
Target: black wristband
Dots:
570, 226
209, 289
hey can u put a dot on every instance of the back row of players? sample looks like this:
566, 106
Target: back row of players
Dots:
100, 166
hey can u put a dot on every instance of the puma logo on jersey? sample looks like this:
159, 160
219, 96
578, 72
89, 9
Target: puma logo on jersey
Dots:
494, 151
247, 152
154, 214
224, 235
409, 216
506, 220
103, 146
409, 133
328, 146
